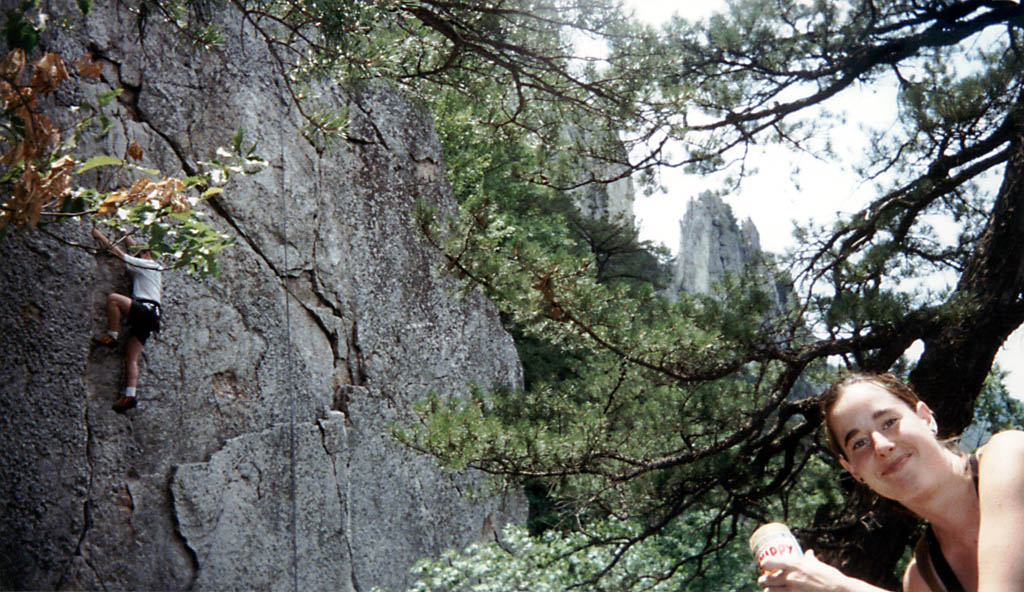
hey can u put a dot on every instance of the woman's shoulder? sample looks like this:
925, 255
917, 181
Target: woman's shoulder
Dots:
1001, 503
1010, 442
1002, 458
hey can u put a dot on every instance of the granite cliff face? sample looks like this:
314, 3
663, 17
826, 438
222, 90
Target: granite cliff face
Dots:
258, 457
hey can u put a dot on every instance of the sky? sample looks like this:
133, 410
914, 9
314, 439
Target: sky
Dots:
779, 194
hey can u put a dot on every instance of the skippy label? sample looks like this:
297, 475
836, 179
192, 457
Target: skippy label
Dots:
772, 540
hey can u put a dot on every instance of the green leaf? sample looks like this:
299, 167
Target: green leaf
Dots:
157, 232
106, 124
147, 170
103, 99
75, 205
20, 32
98, 161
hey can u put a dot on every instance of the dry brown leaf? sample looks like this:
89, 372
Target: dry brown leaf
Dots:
111, 203
57, 182
137, 192
180, 204
6, 91
40, 135
89, 67
17, 96
32, 212
27, 198
166, 192
169, 189
35, 193
12, 65
49, 71
134, 151
121, 196
15, 155
19, 196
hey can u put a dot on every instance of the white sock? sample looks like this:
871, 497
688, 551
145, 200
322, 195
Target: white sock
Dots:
129, 392
112, 334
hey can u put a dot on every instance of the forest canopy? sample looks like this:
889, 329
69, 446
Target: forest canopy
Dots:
660, 412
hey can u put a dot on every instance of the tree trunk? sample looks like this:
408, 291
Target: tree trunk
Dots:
957, 359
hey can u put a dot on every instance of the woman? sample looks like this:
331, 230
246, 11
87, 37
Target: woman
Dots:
886, 438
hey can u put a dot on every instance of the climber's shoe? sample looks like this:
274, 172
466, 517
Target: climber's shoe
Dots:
104, 339
124, 404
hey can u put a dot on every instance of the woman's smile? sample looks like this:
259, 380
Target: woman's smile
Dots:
896, 464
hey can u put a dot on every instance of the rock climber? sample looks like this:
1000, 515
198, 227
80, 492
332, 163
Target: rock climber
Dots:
142, 311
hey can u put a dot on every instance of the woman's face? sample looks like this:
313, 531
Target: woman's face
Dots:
889, 445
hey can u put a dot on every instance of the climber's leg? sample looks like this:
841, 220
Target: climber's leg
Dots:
118, 306
132, 351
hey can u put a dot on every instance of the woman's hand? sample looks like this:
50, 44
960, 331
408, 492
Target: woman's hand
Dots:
807, 574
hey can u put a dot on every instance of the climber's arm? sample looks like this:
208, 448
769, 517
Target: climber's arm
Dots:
116, 250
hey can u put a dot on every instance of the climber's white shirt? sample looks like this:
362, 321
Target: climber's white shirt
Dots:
146, 280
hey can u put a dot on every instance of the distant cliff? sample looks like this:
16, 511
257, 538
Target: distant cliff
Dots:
712, 244
258, 457
611, 199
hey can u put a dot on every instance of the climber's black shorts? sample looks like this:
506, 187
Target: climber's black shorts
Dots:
143, 319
